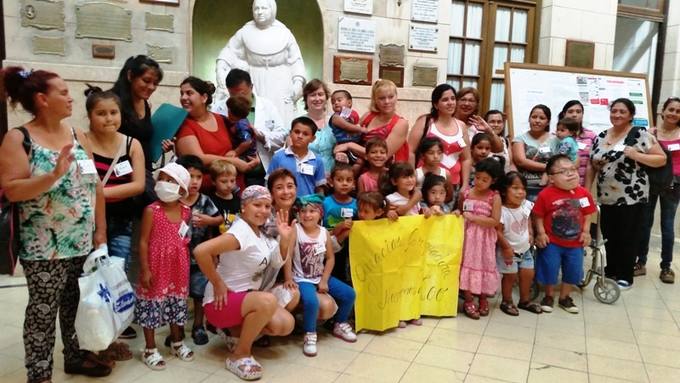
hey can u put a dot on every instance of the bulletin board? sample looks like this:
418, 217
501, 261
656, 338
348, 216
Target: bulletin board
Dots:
527, 85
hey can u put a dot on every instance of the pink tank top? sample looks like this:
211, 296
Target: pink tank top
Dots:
673, 146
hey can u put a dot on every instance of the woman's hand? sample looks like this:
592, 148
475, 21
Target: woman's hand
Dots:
220, 292
630, 152
285, 229
481, 124
252, 162
168, 145
63, 161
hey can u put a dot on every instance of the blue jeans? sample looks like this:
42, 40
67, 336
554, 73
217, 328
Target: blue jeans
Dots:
344, 297
119, 233
669, 205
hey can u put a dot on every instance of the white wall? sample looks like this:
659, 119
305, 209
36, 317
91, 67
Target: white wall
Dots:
670, 79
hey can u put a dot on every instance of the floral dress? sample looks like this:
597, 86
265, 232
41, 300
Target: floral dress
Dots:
478, 273
165, 301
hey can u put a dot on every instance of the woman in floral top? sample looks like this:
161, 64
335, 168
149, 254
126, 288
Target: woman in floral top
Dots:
622, 186
47, 170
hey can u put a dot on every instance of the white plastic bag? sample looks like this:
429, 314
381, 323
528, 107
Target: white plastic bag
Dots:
107, 301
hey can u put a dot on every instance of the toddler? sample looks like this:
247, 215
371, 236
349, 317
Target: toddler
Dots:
345, 125
567, 130
241, 131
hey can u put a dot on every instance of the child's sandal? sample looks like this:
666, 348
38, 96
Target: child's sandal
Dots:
483, 307
153, 359
470, 310
181, 351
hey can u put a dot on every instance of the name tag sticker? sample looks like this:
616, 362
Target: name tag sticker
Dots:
584, 202
87, 167
345, 113
122, 169
448, 161
346, 212
269, 124
619, 147
319, 249
468, 205
183, 229
307, 169
582, 146
673, 147
544, 149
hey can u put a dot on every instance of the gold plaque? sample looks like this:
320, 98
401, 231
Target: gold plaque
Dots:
49, 45
160, 54
424, 76
393, 73
159, 22
42, 14
103, 21
103, 51
352, 70
391, 54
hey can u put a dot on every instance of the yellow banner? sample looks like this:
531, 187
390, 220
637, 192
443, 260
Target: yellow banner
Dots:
404, 269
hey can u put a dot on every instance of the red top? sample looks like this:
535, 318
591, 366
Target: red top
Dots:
401, 155
673, 146
563, 213
217, 143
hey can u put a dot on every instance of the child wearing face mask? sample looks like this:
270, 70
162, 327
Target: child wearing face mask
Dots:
164, 262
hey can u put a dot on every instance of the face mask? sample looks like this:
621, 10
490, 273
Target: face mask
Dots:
167, 191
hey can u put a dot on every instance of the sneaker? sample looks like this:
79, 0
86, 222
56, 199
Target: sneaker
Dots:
624, 285
567, 304
199, 335
128, 333
309, 345
547, 304
639, 270
344, 331
667, 275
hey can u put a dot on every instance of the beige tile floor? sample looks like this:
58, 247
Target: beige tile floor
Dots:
636, 339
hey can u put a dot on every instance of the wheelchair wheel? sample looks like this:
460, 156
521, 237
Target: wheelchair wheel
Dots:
606, 290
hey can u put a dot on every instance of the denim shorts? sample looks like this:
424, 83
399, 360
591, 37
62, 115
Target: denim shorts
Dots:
197, 282
552, 257
523, 261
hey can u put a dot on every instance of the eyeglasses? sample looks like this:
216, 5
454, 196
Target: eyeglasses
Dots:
565, 172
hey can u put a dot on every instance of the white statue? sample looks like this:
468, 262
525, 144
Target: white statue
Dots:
269, 52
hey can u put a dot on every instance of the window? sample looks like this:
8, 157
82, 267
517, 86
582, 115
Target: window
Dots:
483, 36
650, 9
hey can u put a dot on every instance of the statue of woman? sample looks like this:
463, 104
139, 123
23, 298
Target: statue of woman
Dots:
269, 52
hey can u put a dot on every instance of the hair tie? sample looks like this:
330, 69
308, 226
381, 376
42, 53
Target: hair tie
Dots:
25, 73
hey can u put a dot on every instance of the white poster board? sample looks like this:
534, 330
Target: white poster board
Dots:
530, 84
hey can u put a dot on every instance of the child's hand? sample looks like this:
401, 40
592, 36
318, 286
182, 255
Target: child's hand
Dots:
230, 153
507, 255
342, 227
392, 215
437, 210
456, 213
469, 216
531, 240
146, 279
585, 238
342, 157
323, 286
427, 212
542, 240
290, 285
200, 220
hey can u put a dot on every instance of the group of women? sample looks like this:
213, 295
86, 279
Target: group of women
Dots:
64, 211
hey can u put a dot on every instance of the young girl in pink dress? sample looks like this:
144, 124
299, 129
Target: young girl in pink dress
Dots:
481, 207
164, 262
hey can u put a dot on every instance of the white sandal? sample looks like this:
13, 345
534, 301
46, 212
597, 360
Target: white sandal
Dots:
153, 359
181, 351
245, 368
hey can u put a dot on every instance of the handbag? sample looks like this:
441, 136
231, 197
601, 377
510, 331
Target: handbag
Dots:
9, 222
661, 178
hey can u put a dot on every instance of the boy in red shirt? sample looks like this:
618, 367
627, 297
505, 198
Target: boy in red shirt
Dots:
561, 215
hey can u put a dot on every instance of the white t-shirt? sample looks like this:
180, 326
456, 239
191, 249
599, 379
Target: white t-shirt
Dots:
309, 255
396, 199
516, 226
243, 269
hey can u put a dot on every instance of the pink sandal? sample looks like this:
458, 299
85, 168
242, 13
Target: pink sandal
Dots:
470, 310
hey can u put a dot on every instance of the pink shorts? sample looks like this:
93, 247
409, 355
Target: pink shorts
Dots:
228, 316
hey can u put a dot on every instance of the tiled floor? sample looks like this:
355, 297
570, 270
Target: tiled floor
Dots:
636, 339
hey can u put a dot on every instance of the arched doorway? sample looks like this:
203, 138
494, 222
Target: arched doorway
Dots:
215, 21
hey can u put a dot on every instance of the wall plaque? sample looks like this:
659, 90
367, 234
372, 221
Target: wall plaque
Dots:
103, 21
159, 22
49, 45
359, 6
424, 76
391, 54
425, 10
160, 54
356, 35
42, 14
352, 70
423, 38
393, 73
103, 51
161, 2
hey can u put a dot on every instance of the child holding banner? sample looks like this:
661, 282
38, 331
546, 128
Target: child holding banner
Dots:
481, 208
307, 270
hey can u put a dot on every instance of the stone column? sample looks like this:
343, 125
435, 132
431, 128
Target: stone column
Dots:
670, 80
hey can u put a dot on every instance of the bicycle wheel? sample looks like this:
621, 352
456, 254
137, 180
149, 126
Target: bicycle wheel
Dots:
606, 290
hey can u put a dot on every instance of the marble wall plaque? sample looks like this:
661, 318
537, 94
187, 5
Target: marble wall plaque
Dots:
424, 76
49, 45
42, 14
104, 51
359, 6
423, 38
391, 54
159, 22
160, 54
352, 70
103, 21
393, 73
357, 35
425, 10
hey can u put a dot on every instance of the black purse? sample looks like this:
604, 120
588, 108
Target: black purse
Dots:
661, 178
